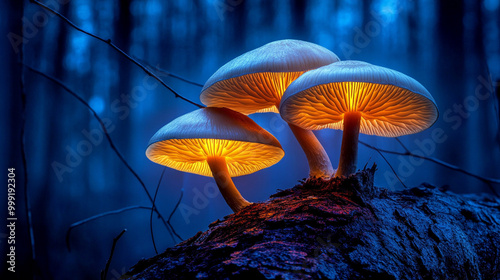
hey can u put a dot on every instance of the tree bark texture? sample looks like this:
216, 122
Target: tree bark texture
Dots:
343, 228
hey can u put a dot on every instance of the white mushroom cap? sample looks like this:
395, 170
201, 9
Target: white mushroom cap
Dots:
255, 81
186, 142
391, 103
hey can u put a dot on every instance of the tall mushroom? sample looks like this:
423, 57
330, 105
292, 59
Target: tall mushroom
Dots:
355, 97
216, 142
255, 82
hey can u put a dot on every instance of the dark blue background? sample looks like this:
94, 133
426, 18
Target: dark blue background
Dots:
452, 47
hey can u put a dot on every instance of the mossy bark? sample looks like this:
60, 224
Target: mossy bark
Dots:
343, 228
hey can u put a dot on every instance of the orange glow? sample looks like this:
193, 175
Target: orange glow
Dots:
386, 110
190, 155
251, 93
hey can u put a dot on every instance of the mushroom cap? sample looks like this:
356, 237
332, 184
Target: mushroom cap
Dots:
255, 81
186, 142
391, 103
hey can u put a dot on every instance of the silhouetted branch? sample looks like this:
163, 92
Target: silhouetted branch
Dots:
172, 213
27, 203
152, 211
393, 171
108, 41
442, 163
114, 212
104, 273
170, 74
402, 145
497, 97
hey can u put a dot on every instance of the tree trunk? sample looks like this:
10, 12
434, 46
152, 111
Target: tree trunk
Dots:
343, 229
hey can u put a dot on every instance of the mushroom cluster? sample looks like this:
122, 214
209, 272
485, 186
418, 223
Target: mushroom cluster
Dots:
255, 82
311, 89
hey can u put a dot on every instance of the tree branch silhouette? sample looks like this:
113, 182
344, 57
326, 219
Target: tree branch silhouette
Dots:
168, 73
172, 213
388, 163
169, 217
486, 180
104, 273
98, 216
108, 41
152, 211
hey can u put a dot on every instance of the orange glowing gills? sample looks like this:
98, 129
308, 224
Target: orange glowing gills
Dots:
216, 142
358, 97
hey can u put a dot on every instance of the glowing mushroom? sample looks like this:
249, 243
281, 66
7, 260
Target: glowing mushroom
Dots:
216, 142
255, 82
356, 97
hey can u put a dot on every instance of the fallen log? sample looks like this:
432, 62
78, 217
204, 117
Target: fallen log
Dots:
343, 229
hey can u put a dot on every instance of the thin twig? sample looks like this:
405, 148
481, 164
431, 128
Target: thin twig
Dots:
108, 41
497, 97
393, 171
95, 217
27, 203
152, 211
104, 273
442, 163
495, 89
108, 137
172, 213
402, 145
170, 74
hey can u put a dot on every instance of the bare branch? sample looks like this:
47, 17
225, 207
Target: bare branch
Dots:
152, 211
98, 216
402, 145
497, 97
108, 41
104, 273
486, 180
163, 71
172, 213
393, 171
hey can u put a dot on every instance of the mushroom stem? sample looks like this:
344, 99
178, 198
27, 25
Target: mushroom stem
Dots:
226, 186
319, 162
349, 150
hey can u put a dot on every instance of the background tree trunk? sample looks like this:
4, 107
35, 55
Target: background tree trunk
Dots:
343, 229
